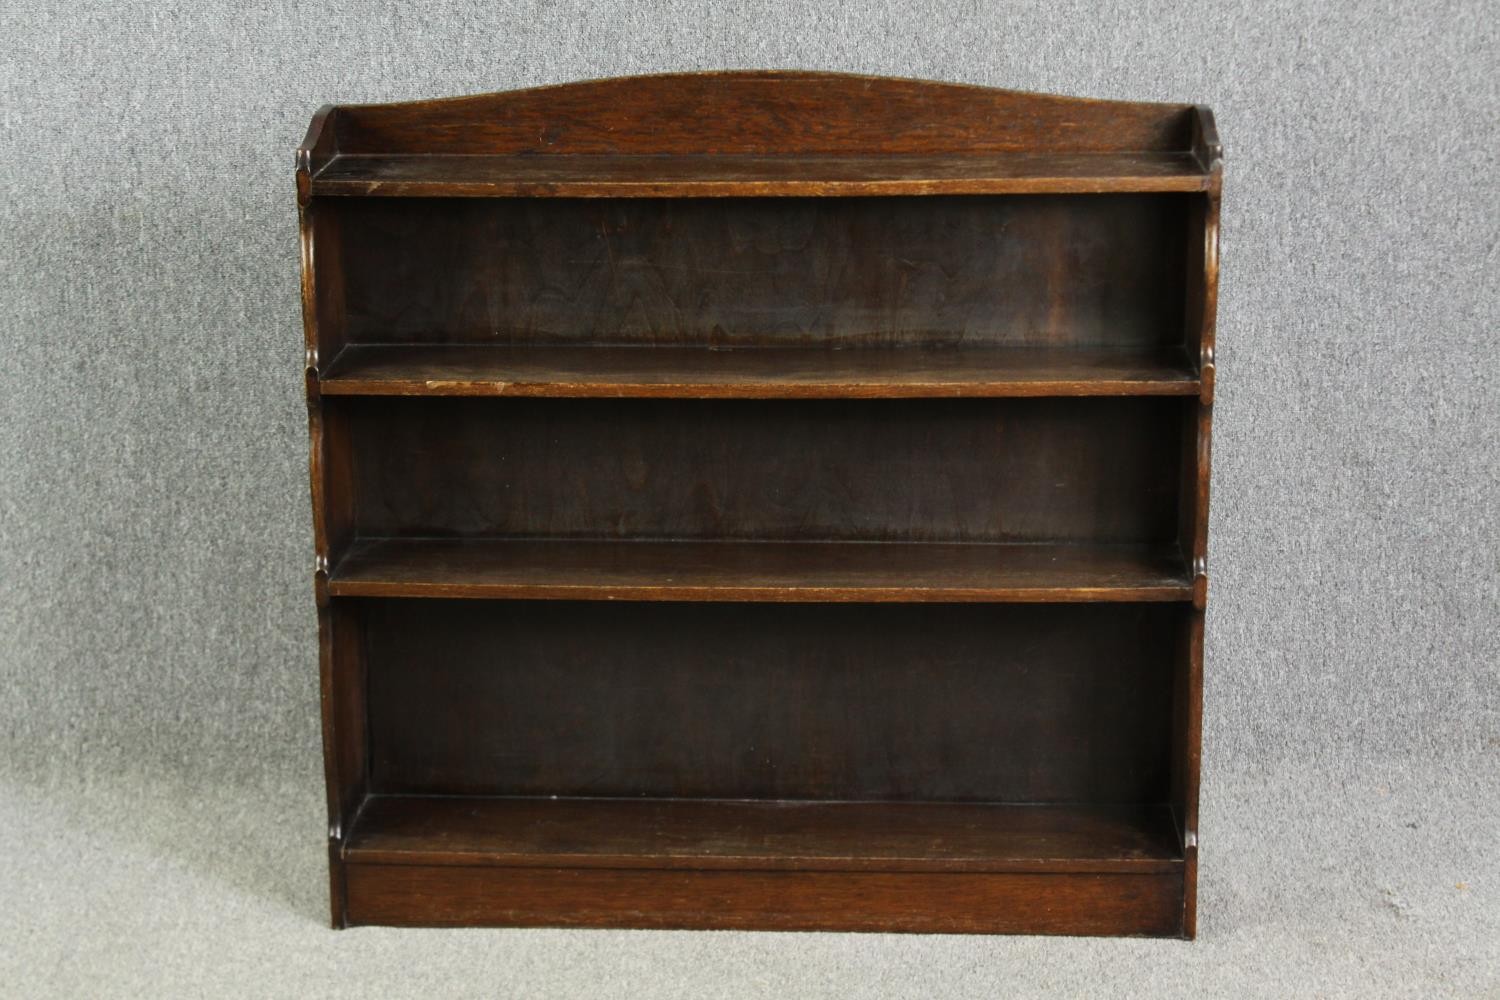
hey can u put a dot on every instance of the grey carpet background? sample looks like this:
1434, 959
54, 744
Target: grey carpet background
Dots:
161, 817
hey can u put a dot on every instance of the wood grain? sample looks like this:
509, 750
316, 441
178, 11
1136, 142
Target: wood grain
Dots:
1041, 271
410, 895
757, 113
1037, 703
755, 373
758, 571
707, 176
763, 836
1100, 470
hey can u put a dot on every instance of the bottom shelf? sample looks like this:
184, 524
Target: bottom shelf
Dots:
1057, 869
766, 836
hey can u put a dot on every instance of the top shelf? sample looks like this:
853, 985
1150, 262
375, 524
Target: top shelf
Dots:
663, 176
756, 134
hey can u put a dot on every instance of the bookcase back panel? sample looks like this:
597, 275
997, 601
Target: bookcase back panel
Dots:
1032, 270
917, 470
1048, 703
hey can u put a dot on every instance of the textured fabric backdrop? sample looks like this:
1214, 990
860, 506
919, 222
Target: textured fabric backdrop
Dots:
160, 778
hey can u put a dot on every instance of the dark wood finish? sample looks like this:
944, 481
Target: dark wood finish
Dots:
346, 741
945, 470
773, 701
756, 373
739, 176
762, 500
1086, 904
757, 113
763, 836
1043, 271
759, 571
341, 678
1202, 312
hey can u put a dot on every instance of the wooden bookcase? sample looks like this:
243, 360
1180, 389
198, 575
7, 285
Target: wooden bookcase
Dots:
762, 500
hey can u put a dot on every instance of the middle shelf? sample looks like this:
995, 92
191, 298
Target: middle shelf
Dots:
760, 571
756, 373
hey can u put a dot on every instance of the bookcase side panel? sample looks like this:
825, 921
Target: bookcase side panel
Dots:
340, 653
1201, 330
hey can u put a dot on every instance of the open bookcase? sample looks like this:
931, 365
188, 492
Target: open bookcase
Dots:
762, 500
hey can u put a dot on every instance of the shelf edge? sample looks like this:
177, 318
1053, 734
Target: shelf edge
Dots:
1173, 593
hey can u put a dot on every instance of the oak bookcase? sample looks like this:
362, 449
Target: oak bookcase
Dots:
762, 500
